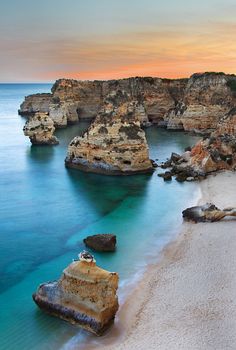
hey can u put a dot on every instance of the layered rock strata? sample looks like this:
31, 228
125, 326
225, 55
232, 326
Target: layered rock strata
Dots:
40, 129
207, 213
114, 144
194, 104
85, 295
35, 103
207, 98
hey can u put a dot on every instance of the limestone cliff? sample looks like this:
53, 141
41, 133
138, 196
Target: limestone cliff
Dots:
194, 104
40, 129
35, 103
227, 124
207, 98
85, 295
86, 98
114, 144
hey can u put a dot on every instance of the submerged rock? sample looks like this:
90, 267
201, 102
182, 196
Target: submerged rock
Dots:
114, 144
101, 242
207, 212
40, 129
85, 295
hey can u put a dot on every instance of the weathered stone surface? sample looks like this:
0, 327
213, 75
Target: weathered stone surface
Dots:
85, 295
58, 115
227, 124
40, 129
207, 212
196, 104
35, 103
114, 144
207, 98
214, 153
101, 242
154, 96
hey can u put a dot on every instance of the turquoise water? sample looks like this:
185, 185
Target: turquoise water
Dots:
46, 210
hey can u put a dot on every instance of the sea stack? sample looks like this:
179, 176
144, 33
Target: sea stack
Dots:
40, 129
85, 295
114, 144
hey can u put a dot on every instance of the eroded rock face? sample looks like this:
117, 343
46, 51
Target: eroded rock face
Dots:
207, 213
214, 153
35, 103
85, 295
227, 124
155, 97
40, 129
102, 242
195, 104
207, 98
114, 144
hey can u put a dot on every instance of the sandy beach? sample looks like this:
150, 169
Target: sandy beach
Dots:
188, 300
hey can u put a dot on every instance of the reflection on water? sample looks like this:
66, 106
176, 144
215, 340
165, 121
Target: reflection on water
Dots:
46, 210
41, 154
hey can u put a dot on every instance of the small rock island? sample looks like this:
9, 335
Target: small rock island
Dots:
114, 144
40, 129
85, 295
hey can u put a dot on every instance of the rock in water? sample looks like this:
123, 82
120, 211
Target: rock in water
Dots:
207, 212
40, 129
114, 144
84, 295
102, 242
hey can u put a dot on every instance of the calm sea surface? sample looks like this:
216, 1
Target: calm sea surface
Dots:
46, 210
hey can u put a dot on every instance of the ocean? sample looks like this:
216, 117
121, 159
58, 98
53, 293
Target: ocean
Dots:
46, 210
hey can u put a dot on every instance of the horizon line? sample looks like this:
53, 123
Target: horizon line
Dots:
128, 77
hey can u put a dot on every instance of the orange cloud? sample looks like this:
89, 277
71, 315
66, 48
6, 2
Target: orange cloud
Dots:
164, 53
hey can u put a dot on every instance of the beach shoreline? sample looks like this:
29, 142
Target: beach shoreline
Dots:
187, 299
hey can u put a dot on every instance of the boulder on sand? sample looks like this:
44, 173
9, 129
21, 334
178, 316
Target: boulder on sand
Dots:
207, 212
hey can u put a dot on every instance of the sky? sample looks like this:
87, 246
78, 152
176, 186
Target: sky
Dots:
105, 39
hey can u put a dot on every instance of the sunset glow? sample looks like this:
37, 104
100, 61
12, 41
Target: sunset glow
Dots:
105, 39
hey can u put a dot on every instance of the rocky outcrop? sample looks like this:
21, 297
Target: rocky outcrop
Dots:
227, 124
35, 103
196, 104
214, 153
114, 144
101, 242
154, 96
207, 98
85, 295
207, 213
40, 129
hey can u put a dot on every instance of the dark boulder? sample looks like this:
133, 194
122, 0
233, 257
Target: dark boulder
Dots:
167, 176
207, 213
102, 242
175, 157
166, 164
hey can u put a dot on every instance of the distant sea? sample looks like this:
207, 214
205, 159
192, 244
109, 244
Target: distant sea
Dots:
46, 210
